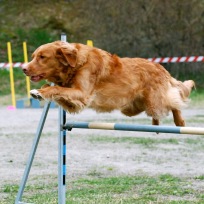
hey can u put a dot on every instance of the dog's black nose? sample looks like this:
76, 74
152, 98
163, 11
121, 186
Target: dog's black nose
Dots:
24, 70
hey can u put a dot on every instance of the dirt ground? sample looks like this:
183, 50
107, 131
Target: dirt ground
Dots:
86, 156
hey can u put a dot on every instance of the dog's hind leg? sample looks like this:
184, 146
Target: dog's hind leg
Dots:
155, 121
178, 120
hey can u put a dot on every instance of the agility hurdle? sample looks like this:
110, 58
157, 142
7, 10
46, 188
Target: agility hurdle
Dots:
61, 149
61, 152
63, 126
132, 127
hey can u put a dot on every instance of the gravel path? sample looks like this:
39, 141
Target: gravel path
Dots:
87, 155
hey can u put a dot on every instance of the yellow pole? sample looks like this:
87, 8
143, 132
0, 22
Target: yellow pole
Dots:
90, 43
26, 61
11, 74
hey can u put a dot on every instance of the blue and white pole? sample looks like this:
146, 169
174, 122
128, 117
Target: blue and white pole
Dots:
133, 127
62, 151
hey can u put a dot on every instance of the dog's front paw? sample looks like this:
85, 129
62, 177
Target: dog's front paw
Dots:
35, 94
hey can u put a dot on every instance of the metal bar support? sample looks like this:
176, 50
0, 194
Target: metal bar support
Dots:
32, 153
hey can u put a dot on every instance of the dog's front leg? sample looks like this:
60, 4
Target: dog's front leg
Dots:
70, 99
36, 94
46, 92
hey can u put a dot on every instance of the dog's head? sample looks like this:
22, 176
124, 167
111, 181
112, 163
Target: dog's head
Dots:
50, 60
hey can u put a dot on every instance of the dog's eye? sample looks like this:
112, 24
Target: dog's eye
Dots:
42, 57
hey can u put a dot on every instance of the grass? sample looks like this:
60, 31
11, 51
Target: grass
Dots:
139, 189
145, 142
148, 142
165, 188
34, 38
197, 97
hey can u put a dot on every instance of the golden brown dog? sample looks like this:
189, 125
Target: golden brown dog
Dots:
86, 76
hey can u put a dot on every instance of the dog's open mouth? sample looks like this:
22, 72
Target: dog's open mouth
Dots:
37, 78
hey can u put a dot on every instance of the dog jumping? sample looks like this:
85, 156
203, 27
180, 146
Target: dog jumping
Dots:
86, 76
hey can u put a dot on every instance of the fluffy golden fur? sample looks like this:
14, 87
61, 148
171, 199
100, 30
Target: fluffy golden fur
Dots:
86, 76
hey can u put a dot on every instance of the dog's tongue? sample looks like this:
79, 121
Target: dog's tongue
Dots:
35, 78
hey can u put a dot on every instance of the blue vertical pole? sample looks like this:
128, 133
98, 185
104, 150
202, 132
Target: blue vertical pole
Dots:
62, 152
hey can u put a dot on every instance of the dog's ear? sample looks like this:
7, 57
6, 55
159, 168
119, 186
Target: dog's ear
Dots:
67, 55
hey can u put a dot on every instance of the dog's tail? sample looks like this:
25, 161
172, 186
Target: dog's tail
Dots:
179, 93
186, 90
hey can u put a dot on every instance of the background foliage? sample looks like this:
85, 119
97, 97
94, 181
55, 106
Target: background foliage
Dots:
134, 28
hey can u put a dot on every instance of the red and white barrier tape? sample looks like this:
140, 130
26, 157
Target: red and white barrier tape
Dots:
156, 60
177, 59
7, 65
